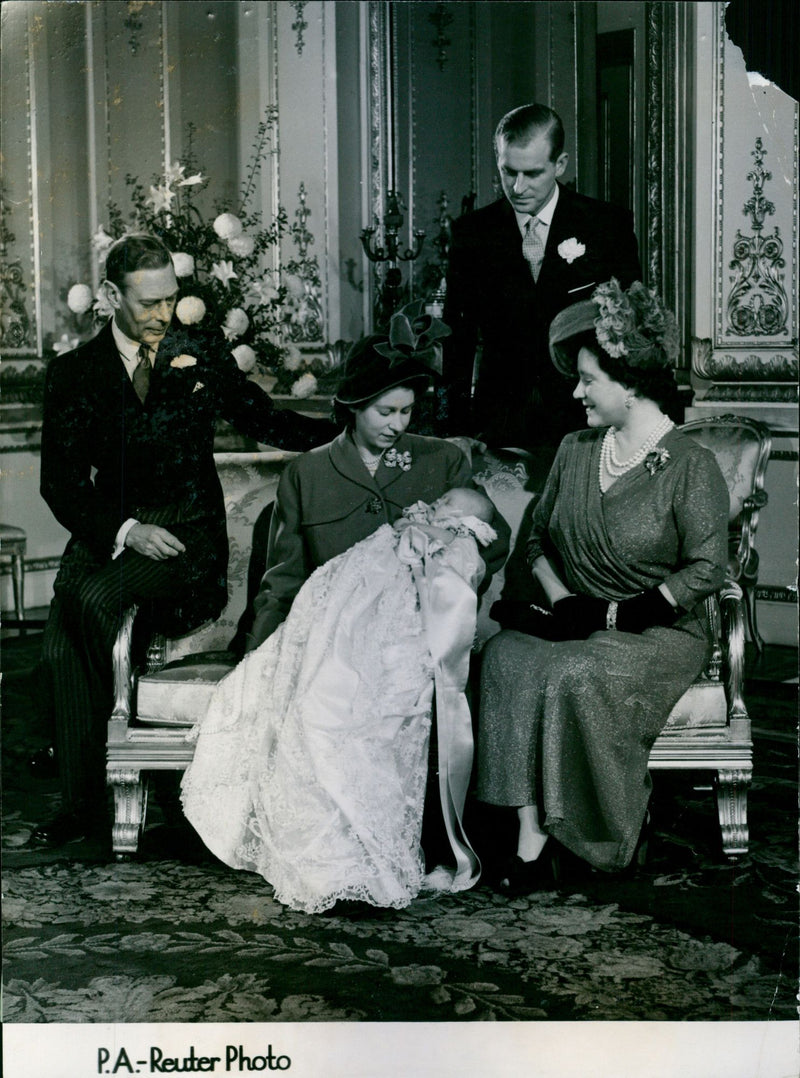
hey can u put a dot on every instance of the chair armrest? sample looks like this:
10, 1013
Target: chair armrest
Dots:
122, 665
730, 599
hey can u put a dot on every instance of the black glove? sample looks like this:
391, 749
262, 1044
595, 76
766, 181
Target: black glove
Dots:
645, 610
525, 618
578, 616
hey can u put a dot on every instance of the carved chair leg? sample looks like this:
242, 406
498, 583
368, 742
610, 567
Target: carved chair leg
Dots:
130, 808
731, 790
751, 612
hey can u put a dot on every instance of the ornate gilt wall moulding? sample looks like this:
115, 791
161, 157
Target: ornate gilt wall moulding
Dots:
757, 302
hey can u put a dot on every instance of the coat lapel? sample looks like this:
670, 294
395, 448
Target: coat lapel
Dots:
345, 459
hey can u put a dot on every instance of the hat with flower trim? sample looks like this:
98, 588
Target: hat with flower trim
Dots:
407, 355
632, 326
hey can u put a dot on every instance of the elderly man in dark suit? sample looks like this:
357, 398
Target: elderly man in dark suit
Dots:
513, 266
128, 469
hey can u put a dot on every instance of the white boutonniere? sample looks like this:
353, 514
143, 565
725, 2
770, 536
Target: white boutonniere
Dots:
571, 249
183, 361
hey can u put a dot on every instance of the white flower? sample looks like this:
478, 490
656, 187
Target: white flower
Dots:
183, 264
294, 285
190, 309
101, 241
262, 292
571, 249
65, 343
236, 323
305, 386
182, 361
191, 180
160, 198
245, 357
79, 298
174, 173
242, 246
293, 360
224, 271
226, 226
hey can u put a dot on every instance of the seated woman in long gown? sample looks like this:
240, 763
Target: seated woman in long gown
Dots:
311, 763
629, 537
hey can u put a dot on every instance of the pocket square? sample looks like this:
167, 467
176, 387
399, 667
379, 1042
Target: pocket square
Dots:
581, 287
198, 385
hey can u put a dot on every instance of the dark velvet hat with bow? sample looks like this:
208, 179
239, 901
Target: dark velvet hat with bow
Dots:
409, 354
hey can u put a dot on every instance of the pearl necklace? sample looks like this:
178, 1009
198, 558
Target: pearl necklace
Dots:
371, 461
608, 456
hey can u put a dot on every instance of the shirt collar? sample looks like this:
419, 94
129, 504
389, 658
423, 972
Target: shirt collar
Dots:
545, 214
127, 348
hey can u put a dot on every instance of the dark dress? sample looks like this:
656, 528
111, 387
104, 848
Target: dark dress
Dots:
569, 726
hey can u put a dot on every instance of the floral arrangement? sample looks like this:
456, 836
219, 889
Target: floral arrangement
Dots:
223, 285
635, 324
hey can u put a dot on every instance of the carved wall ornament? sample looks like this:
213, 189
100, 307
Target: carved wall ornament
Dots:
22, 382
441, 19
14, 321
753, 393
299, 25
757, 304
741, 367
306, 321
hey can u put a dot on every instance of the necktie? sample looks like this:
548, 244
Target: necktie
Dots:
533, 247
142, 372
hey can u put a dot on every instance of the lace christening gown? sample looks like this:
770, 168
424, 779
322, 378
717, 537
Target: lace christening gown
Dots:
311, 762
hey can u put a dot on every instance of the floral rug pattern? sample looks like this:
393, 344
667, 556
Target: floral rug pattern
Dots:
177, 937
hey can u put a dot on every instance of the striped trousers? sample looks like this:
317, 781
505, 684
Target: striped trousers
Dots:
90, 600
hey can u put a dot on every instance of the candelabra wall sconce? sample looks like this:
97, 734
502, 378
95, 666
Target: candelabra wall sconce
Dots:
390, 252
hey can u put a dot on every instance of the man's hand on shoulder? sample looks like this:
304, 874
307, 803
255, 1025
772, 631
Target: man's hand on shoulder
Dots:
153, 542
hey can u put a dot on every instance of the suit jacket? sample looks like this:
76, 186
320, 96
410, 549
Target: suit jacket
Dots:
327, 501
106, 457
520, 399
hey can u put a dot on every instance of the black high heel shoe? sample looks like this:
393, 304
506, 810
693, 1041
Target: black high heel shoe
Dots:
520, 877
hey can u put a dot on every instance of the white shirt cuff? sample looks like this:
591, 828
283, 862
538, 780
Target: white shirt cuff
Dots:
119, 542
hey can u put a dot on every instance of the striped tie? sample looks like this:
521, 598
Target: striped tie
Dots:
532, 246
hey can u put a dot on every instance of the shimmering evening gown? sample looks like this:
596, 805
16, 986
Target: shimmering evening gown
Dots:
569, 726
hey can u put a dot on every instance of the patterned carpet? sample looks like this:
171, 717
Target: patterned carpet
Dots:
177, 937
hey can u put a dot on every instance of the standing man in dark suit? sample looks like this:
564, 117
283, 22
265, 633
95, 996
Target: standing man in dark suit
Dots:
128, 469
513, 265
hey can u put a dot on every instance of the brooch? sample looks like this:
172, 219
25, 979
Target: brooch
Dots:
655, 460
393, 459
374, 506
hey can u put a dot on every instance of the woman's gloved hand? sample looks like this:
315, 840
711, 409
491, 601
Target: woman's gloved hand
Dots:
578, 616
644, 611
524, 618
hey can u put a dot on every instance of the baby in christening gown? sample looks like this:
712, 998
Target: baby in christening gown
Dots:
311, 761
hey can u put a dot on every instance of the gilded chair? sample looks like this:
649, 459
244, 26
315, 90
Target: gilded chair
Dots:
13, 543
155, 706
742, 448
709, 728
